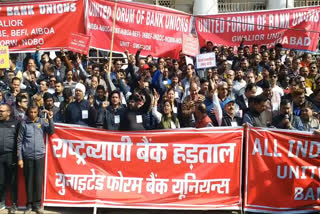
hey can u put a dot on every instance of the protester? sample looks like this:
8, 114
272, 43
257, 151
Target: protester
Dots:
114, 112
253, 116
285, 119
167, 119
238, 76
202, 118
8, 157
309, 122
134, 117
81, 111
31, 155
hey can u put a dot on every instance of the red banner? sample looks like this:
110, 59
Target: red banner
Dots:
79, 43
158, 30
282, 171
288, 27
181, 169
25, 25
190, 45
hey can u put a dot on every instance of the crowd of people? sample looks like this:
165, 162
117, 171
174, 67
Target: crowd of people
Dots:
256, 86
264, 88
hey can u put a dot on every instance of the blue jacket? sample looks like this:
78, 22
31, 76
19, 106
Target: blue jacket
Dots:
74, 113
30, 140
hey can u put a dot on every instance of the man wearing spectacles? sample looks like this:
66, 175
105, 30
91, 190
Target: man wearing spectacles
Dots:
8, 157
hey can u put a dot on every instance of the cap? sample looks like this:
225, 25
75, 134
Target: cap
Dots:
227, 101
145, 66
81, 87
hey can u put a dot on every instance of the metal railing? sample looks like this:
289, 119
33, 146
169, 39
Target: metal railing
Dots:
225, 6
303, 3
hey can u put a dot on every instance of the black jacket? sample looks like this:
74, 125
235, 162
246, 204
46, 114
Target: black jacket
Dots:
8, 136
133, 120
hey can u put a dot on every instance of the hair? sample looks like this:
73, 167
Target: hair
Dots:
221, 84
32, 106
307, 105
95, 66
114, 92
100, 87
170, 89
284, 102
251, 100
292, 79
263, 47
278, 45
7, 105
59, 81
203, 80
313, 63
174, 75
15, 78
47, 95
20, 97
298, 92
260, 98
47, 84
249, 87
67, 92
192, 66
202, 108
265, 84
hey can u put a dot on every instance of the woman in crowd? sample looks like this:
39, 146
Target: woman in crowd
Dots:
167, 119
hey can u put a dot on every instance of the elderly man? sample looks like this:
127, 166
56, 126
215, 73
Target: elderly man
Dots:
80, 111
189, 104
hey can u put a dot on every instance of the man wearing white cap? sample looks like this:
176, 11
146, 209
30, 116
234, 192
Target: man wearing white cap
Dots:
80, 111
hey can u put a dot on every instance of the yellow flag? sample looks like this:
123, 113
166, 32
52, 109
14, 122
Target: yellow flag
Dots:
4, 57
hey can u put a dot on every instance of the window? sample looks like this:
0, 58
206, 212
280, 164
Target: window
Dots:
165, 3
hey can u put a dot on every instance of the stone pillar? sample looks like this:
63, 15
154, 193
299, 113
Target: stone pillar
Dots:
205, 7
280, 4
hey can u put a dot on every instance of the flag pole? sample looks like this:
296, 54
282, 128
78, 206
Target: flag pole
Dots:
112, 37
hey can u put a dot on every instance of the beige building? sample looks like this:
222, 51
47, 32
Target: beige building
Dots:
224, 6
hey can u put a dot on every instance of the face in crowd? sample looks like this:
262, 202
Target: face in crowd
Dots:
194, 91
230, 109
4, 112
78, 95
33, 113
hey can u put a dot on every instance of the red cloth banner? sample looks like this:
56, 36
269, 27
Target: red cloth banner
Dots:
158, 30
190, 45
263, 28
180, 169
282, 171
79, 43
26, 25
